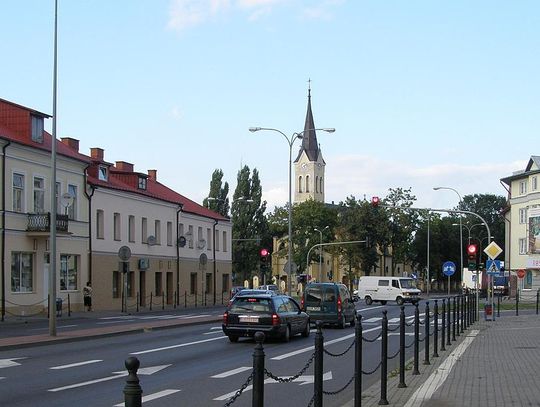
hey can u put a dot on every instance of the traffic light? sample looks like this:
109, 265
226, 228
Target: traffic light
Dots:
264, 256
375, 201
472, 254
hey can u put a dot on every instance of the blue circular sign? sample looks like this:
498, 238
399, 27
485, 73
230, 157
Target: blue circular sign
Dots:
448, 268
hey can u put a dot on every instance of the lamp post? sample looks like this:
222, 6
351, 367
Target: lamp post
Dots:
460, 229
290, 142
320, 252
469, 228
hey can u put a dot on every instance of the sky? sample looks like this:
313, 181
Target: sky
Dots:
421, 93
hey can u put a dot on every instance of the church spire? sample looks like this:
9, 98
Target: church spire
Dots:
309, 139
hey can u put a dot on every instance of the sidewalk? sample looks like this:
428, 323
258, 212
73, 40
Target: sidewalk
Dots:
494, 363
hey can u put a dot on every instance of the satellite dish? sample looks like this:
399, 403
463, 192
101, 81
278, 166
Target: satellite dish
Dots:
151, 240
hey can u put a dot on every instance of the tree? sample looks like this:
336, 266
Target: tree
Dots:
219, 202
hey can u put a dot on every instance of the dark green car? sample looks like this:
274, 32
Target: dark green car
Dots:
330, 303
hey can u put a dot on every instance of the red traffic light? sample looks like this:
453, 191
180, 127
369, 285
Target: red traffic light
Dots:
375, 201
264, 252
471, 250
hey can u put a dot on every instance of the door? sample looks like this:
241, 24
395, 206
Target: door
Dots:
142, 287
169, 287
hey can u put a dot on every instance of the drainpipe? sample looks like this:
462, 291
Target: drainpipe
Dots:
4, 230
89, 197
181, 206
214, 256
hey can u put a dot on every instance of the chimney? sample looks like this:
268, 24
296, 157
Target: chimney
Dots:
71, 143
124, 166
97, 153
152, 174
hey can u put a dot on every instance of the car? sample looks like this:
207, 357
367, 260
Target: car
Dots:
330, 303
236, 289
270, 287
383, 289
276, 315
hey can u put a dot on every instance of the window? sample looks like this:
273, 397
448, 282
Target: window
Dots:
68, 271
321, 186
523, 215
534, 183
224, 241
100, 224
522, 246
58, 192
190, 236
39, 195
131, 228
117, 227
116, 284
307, 183
383, 283
18, 192
102, 173
225, 283
395, 283
300, 184
193, 283
217, 241
523, 187
169, 233
208, 284
208, 239
159, 284
316, 184
527, 281
22, 272
37, 129
200, 241
72, 209
144, 230
142, 183
157, 231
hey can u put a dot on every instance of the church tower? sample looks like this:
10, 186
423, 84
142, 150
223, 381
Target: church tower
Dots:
309, 164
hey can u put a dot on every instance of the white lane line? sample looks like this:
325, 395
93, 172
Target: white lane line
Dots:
180, 345
196, 316
371, 320
310, 348
59, 327
231, 372
103, 379
87, 362
215, 327
153, 396
212, 333
115, 322
437, 378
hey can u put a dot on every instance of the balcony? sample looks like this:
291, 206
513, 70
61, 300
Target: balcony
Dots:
41, 222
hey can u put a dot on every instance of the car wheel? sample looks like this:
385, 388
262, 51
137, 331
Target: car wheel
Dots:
383, 302
306, 331
399, 301
287, 334
368, 300
233, 339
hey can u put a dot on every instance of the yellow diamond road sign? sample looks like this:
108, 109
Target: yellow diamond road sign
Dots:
493, 250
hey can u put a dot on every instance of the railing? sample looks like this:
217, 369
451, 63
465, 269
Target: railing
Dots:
41, 222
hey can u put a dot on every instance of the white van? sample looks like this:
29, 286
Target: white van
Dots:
383, 289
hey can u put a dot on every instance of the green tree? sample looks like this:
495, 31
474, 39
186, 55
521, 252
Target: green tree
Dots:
218, 201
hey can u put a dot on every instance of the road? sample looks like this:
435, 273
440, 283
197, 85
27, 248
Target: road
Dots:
188, 366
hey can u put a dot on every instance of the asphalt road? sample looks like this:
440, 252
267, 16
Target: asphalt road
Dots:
193, 366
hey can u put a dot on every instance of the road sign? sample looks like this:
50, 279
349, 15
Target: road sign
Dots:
448, 268
493, 267
493, 250
521, 273
414, 276
124, 253
293, 267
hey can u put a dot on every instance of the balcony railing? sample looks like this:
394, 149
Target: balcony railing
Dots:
41, 222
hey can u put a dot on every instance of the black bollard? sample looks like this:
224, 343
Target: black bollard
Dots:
384, 359
458, 316
443, 314
132, 390
358, 362
426, 336
162, 300
517, 303
185, 299
537, 298
402, 348
462, 313
436, 330
318, 366
69, 306
449, 323
416, 339
138, 300
258, 371
151, 300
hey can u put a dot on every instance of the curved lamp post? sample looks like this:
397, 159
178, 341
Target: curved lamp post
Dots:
320, 252
290, 142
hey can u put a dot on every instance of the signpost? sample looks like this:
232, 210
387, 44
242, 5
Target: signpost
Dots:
492, 250
520, 273
124, 254
448, 269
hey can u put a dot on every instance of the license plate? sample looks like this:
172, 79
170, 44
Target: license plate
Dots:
249, 319
313, 308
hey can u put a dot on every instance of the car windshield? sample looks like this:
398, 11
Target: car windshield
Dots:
320, 294
407, 283
251, 304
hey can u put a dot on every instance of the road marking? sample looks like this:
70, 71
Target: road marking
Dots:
116, 375
195, 316
153, 396
231, 372
9, 362
180, 345
437, 378
59, 327
310, 348
212, 333
76, 364
371, 320
115, 322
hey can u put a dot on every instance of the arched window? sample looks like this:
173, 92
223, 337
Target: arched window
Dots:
316, 184
307, 183
300, 183
321, 186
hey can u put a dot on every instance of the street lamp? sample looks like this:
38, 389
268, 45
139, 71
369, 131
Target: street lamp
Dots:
320, 251
460, 229
469, 228
290, 142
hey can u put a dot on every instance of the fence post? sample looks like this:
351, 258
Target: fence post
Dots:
416, 339
463, 313
426, 335
358, 362
458, 316
132, 389
402, 348
454, 320
258, 371
436, 330
443, 314
384, 359
69, 305
318, 367
517, 302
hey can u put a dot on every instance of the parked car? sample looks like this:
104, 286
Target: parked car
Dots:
277, 316
330, 303
236, 289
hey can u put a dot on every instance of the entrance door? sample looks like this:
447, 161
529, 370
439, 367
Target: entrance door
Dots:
142, 287
169, 287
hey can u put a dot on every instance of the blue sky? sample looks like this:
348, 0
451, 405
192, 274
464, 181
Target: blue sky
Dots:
421, 93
